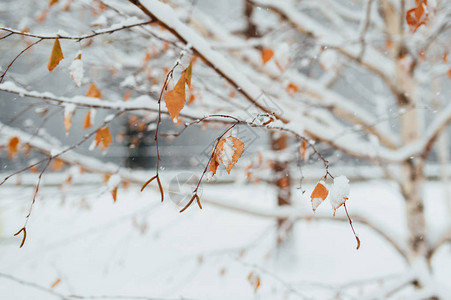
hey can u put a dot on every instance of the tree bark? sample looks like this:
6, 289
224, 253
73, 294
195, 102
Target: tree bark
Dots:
412, 178
281, 171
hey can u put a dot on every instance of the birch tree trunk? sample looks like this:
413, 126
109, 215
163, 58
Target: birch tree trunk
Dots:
412, 175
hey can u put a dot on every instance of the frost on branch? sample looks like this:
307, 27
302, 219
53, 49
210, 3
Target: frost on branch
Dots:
339, 192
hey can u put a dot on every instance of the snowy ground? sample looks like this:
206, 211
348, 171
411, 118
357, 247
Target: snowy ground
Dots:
139, 247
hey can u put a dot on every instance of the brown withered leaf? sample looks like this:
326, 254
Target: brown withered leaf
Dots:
13, 148
318, 195
93, 92
52, 2
188, 71
57, 165
55, 283
67, 121
267, 54
56, 56
103, 136
87, 122
228, 151
214, 165
114, 194
175, 99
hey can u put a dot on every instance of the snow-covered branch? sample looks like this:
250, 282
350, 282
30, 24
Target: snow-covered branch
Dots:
371, 59
126, 24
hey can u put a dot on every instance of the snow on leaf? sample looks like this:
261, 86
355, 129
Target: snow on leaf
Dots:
76, 70
175, 99
93, 92
13, 147
103, 136
56, 56
87, 122
339, 192
229, 150
318, 195
267, 54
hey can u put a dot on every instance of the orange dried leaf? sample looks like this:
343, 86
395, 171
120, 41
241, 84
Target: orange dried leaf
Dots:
13, 147
228, 151
93, 92
318, 195
67, 121
56, 56
175, 99
417, 16
214, 165
188, 71
114, 194
42, 16
127, 96
449, 73
55, 283
304, 150
292, 88
57, 165
103, 136
267, 54
87, 122
257, 284
52, 2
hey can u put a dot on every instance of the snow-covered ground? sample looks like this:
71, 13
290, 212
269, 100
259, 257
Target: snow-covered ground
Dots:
140, 247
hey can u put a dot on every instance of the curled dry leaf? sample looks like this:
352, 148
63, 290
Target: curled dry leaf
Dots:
228, 151
214, 163
56, 56
318, 195
24, 230
114, 194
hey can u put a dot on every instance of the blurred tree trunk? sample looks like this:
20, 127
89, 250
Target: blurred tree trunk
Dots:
251, 29
282, 179
412, 171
